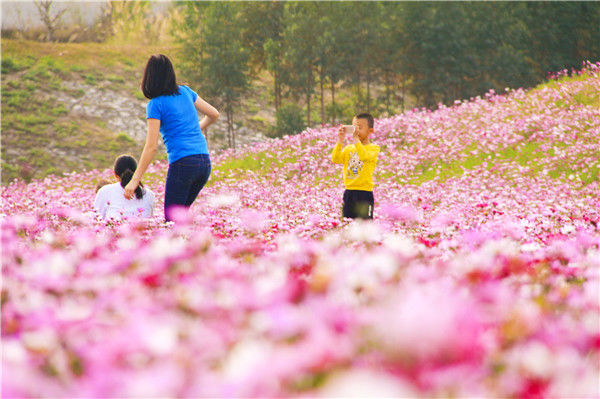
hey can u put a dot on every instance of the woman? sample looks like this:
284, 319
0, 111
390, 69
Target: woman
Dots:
110, 203
172, 112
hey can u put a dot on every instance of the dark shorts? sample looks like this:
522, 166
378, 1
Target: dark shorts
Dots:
358, 204
185, 179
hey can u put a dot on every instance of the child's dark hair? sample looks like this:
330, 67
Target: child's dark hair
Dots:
125, 166
368, 117
159, 77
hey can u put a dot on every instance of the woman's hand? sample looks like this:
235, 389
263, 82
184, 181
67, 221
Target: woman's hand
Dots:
147, 155
210, 112
130, 189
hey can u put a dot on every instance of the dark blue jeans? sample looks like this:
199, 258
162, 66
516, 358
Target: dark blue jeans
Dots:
185, 179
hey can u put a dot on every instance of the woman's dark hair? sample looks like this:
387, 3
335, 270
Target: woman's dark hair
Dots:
124, 167
159, 77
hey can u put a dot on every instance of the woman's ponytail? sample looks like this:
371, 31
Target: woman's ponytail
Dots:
125, 166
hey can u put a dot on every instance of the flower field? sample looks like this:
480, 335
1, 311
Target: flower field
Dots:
480, 275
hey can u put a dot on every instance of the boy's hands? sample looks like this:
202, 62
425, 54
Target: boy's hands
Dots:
355, 133
341, 134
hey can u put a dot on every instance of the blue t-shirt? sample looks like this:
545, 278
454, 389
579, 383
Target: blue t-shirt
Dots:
179, 124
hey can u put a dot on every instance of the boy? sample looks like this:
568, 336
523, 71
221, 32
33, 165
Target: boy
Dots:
359, 160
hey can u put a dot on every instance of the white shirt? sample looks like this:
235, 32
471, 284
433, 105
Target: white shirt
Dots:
111, 203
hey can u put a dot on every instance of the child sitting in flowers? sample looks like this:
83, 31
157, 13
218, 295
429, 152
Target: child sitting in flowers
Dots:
359, 160
110, 201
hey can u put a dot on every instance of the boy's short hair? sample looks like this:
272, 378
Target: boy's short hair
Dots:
368, 117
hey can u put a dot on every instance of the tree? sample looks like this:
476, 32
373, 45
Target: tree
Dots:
274, 64
136, 21
300, 55
51, 22
225, 65
263, 27
391, 49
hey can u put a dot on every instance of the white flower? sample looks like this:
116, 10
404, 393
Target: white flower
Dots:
366, 384
160, 338
569, 228
224, 200
244, 358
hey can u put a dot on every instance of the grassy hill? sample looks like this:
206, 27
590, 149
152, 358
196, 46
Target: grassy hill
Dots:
479, 276
73, 107
40, 135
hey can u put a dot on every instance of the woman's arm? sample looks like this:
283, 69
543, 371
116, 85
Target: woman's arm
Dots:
210, 113
147, 155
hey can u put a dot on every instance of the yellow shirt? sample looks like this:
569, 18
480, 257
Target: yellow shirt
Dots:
359, 163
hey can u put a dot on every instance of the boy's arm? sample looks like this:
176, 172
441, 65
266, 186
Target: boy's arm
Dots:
364, 154
337, 155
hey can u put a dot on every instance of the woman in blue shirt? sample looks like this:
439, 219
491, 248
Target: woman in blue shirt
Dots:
172, 112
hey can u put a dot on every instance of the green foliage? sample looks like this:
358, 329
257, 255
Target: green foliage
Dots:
134, 21
260, 163
459, 50
217, 58
124, 139
16, 99
15, 62
51, 64
386, 52
288, 121
59, 110
10, 64
37, 74
90, 78
115, 78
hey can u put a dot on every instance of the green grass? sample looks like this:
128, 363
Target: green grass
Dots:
36, 128
260, 163
588, 96
527, 154
116, 78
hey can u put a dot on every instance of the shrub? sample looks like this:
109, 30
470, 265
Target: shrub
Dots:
9, 64
288, 121
60, 110
124, 138
90, 79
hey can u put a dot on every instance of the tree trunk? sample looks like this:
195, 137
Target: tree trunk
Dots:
308, 108
229, 126
358, 99
333, 109
368, 93
403, 91
276, 91
387, 98
232, 129
322, 99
